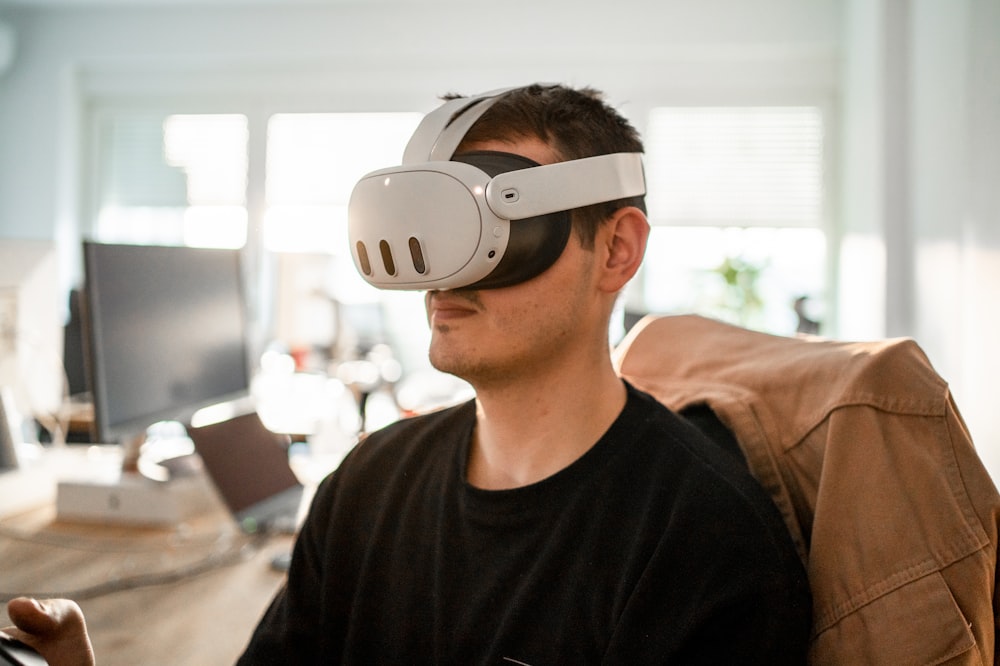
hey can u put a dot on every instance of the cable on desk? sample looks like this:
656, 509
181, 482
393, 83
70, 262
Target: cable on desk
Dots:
232, 555
125, 544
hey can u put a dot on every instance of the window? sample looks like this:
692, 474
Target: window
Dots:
173, 179
736, 200
736, 166
313, 163
185, 179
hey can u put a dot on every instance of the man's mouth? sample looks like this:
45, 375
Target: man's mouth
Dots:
452, 304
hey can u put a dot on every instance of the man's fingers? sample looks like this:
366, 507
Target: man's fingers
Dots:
31, 616
54, 627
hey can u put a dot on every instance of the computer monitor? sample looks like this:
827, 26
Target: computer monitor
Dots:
165, 331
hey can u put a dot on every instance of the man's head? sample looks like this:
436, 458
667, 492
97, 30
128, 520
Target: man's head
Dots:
574, 123
558, 319
458, 215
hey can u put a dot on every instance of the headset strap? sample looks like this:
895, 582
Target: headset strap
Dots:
439, 133
516, 195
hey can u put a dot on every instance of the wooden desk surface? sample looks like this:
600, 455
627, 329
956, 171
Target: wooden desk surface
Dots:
214, 583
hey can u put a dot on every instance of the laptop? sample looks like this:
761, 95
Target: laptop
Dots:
248, 464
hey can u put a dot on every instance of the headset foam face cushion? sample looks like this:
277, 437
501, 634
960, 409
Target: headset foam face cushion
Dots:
535, 242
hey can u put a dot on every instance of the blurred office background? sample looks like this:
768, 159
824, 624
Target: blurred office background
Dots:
830, 166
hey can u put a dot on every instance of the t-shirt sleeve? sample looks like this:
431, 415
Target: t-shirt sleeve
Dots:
289, 631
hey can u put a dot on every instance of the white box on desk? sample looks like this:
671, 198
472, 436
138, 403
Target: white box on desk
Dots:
133, 499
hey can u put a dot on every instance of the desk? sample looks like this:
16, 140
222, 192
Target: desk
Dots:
198, 619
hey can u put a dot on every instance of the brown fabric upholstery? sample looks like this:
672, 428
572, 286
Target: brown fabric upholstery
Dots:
865, 454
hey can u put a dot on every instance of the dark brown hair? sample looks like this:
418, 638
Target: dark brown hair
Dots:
575, 123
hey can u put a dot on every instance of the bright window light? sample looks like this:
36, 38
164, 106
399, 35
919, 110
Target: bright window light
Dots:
736, 200
173, 179
150, 225
215, 226
306, 228
684, 272
212, 152
313, 163
735, 166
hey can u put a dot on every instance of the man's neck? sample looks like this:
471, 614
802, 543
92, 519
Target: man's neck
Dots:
529, 430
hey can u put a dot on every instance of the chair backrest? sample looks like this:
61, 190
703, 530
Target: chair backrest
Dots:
863, 451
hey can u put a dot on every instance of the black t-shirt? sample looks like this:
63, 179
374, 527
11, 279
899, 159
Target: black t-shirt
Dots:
654, 547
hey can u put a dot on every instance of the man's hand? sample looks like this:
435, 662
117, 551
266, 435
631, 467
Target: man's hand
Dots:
55, 627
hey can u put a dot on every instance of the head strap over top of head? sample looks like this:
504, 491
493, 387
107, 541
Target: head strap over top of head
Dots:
439, 133
479, 220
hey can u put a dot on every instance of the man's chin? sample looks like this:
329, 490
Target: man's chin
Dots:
453, 364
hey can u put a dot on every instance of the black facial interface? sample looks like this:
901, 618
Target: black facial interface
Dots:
535, 242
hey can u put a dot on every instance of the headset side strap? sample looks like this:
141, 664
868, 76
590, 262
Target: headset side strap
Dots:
516, 195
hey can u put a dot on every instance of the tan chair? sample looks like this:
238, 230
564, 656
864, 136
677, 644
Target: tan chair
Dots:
864, 452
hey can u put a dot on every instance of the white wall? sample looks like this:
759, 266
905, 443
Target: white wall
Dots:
955, 201
919, 198
862, 273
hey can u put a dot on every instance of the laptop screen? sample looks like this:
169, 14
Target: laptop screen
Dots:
249, 466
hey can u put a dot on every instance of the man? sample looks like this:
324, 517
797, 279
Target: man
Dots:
562, 516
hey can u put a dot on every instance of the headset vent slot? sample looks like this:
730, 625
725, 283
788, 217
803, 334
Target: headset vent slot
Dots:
417, 254
387, 260
366, 264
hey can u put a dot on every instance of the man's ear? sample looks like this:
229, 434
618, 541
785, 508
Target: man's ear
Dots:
622, 243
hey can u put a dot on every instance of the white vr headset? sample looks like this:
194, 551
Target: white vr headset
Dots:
479, 220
